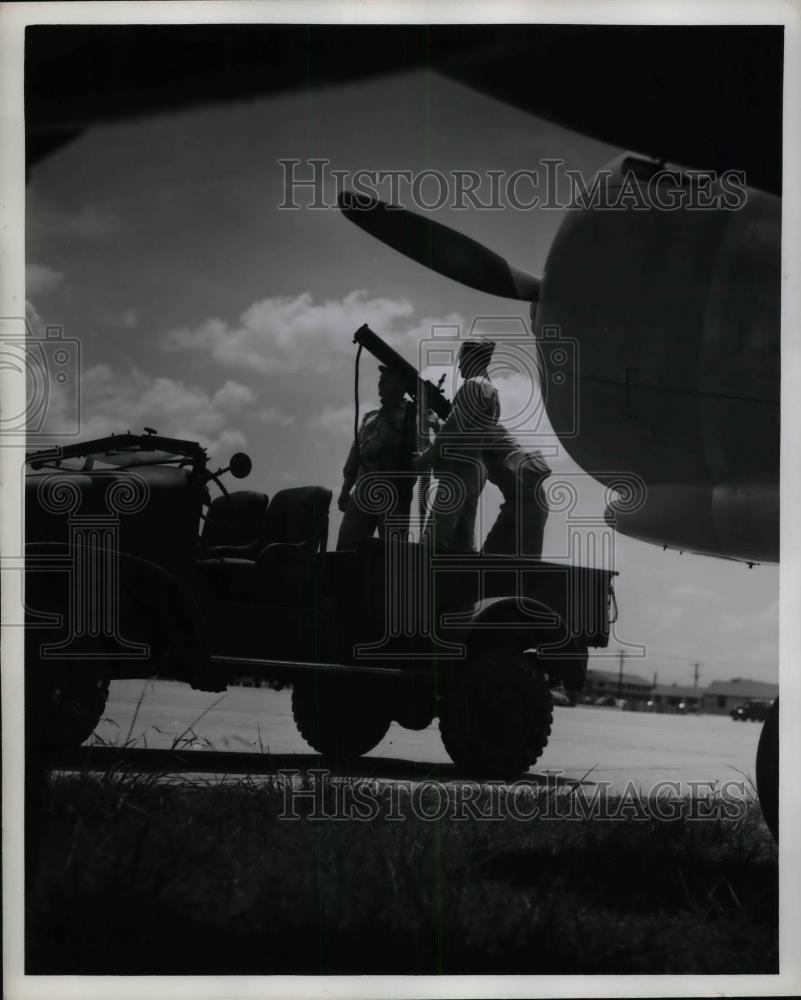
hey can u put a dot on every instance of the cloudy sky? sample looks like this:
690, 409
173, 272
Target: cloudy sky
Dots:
204, 310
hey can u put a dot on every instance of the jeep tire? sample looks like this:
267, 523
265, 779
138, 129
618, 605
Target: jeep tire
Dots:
496, 717
338, 717
64, 706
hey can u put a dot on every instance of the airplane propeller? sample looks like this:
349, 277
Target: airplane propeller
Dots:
439, 248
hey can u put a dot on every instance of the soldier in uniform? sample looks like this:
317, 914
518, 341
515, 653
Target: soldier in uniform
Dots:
519, 475
456, 454
384, 451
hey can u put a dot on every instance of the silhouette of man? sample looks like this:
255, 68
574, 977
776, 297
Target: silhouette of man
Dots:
385, 445
456, 454
519, 475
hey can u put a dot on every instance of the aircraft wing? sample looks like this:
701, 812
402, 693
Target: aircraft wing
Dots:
706, 97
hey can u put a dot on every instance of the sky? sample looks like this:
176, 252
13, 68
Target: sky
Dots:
203, 309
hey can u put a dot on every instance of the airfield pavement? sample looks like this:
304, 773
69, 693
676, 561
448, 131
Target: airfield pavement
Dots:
587, 742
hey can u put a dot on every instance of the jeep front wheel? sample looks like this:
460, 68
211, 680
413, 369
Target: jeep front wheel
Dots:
64, 706
339, 718
496, 717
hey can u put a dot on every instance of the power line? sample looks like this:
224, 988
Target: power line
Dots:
722, 661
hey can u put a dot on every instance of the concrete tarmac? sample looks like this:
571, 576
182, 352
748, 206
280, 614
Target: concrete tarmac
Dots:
588, 743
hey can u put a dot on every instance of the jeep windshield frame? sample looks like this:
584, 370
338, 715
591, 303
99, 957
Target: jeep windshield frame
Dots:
122, 451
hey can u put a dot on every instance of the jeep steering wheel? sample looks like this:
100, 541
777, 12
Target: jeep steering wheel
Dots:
214, 476
239, 467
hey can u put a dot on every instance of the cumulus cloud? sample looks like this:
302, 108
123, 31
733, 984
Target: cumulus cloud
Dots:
283, 335
339, 419
40, 279
273, 416
233, 396
286, 335
114, 401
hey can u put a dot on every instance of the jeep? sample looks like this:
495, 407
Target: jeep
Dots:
133, 569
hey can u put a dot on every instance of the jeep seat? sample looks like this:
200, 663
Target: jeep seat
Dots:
287, 569
235, 526
283, 570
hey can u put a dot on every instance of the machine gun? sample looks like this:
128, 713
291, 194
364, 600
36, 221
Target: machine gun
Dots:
421, 390
425, 394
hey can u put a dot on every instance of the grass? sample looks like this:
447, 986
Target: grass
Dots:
139, 876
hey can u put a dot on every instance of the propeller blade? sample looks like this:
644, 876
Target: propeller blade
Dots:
439, 248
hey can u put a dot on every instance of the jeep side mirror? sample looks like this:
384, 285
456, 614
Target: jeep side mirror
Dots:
240, 465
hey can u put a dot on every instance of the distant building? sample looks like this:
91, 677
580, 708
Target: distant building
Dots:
602, 683
676, 698
722, 696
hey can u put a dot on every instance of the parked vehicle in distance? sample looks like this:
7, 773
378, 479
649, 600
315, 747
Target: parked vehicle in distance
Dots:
563, 698
751, 711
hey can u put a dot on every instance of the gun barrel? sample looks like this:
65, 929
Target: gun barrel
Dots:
413, 384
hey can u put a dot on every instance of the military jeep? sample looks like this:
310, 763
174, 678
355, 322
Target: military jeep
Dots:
134, 570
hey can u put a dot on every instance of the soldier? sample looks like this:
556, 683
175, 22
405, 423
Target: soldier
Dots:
385, 445
519, 475
456, 454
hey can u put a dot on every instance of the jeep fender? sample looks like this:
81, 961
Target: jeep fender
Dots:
526, 623
132, 614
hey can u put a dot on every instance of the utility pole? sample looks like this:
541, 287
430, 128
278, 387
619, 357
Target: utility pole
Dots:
696, 672
620, 675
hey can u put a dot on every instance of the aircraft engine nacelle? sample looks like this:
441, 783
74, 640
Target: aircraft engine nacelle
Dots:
672, 310
735, 521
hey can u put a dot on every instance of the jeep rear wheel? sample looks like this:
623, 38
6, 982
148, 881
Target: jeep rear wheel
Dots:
496, 717
340, 719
